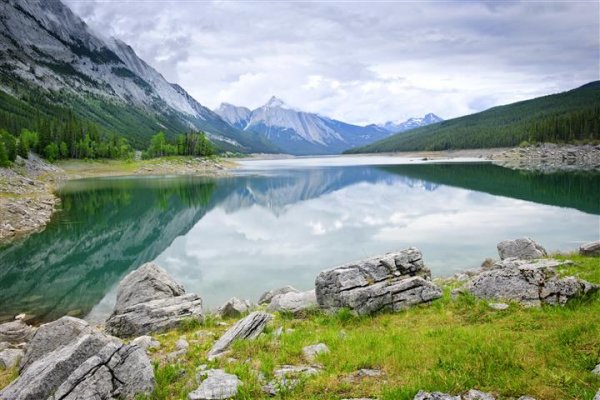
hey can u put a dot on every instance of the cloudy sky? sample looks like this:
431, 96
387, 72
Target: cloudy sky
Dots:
356, 61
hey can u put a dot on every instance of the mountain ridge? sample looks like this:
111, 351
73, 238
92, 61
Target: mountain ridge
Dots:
47, 50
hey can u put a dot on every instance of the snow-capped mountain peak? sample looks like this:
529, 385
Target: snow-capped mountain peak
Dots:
275, 102
411, 123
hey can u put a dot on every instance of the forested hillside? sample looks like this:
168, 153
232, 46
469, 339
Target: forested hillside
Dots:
568, 117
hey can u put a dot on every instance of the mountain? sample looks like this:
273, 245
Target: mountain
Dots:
411, 123
297, 132
51, 62
572, 116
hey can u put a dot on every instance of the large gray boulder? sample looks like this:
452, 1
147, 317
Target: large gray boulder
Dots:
393, 281
53, 335
434, 396
524, 248
149, 301
217, 385
246, 328
266, 297
154, 316
148, 282
530, 284
15, 331
92, 363
294, 302
590, 249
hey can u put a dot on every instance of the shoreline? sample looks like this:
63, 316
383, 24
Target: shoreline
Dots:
27, 190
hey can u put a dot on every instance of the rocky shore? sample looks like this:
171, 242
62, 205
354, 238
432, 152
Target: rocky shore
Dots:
549, 157
27, 199
69, 359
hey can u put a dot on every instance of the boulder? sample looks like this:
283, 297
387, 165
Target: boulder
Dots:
247, 328
294, 302
287, 377
15, 331
596, 370
10, 357
148, 282
234, 308
477, 395
311, 352
597, 396
528, 284
393, 281
53, 335
590, 249
217, 385
92, 363
154, 316
266, 297
524, 248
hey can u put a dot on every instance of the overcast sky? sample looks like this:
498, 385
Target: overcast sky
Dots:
356, 61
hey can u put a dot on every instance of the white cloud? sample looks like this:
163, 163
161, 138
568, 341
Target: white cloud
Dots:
361, 63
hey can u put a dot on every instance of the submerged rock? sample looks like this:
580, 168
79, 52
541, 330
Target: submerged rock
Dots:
528, 284
148, 301
247, 328
392, 281
524, 248
234, 307
294, 302
217, 385
266, 297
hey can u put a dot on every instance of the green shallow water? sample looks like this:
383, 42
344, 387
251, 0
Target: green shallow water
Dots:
272, 224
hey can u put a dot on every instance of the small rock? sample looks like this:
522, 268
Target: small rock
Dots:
146, 342
217, 385
234, 308
311, 352
278, 332
282, 385
434, 396
266, 297
590, 249
477, 395
498, 306
182, 344
247, 328
174, 356
596, 370
10, 357
597, 396
526, 398
525, 248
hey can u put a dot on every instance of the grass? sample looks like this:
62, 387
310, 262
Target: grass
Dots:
449, 346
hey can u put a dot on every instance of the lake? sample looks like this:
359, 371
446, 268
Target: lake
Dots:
278, 222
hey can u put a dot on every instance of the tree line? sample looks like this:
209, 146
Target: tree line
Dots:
190, 144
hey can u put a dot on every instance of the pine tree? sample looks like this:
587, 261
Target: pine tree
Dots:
23, 148
3, 156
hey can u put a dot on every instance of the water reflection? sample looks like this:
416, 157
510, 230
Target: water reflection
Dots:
244, 234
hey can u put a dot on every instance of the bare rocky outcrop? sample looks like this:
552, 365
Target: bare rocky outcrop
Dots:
550, 157
266, 297
91, 365
392, 281
149, 300
294, 302
529, 283
246, 328
524, 249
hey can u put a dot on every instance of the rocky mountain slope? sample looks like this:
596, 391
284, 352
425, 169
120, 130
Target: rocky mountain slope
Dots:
298, 132
51, 60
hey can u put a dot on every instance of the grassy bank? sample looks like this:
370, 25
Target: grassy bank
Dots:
450, 346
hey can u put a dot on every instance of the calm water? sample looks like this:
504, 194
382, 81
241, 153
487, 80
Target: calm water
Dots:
281, 222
